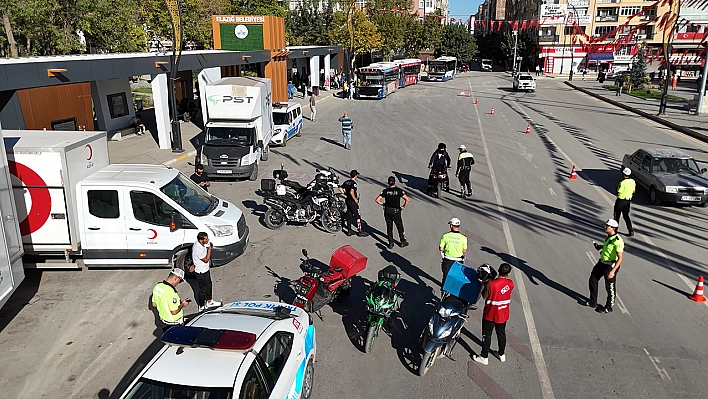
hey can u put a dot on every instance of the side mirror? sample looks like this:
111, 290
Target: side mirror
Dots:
260, 144
175, 221
704, 170
304, 252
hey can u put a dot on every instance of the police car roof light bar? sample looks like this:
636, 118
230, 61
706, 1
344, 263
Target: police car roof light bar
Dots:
208, 338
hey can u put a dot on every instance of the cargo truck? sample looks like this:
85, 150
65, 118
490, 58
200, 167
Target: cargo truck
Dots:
11, 271
239, 127
71, 201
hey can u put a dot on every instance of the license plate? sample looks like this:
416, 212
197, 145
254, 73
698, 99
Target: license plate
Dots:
689, 198
224, 172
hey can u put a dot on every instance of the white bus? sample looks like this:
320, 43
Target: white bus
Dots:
442, 69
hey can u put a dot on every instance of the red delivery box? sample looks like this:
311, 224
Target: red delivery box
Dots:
349, 259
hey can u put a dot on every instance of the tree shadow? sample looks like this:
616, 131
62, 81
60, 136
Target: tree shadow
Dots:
406, 267
287, 156
414, 182
562, 213
133, 371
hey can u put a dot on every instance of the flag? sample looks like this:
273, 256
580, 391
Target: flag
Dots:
531, 24
523, 25
499, 24
516, 25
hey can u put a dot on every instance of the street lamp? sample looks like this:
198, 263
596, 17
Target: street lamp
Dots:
572, 44
176, 20
515, 33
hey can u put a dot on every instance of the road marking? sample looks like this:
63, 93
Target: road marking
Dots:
535, 166
551, 190
540, 363
543, 177
655, 361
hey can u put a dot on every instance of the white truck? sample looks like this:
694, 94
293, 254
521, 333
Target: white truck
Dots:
239, 127
71, 202
11, 270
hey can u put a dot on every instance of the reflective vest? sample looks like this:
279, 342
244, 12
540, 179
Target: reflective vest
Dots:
166, 298
496, 308
626, 189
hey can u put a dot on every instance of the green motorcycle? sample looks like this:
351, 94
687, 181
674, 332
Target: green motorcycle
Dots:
381, 301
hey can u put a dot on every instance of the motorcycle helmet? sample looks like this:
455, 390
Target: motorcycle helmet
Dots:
441, 146
486, 272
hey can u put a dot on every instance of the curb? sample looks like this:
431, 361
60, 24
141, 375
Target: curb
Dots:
181, 158
667, 123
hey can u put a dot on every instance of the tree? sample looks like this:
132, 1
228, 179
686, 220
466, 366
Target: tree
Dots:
353, 30
308, 25
113, 26
432, 31
457, 42
390, 23
638, 73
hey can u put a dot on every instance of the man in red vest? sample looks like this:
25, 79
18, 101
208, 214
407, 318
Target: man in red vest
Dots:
497, 294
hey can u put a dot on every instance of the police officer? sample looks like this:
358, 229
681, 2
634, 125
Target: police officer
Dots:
166, 300
390, 199
453, 246
611, 255
625, 190
350, 191
464, 166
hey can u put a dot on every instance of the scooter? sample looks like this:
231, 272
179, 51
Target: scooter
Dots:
443, 330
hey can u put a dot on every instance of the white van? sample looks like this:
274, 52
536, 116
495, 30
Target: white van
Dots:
287, 122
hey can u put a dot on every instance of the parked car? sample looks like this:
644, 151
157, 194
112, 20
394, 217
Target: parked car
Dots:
287, 122
524, 81
669, 175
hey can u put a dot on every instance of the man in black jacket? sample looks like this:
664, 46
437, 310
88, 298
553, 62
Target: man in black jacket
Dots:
439, 162
464, 165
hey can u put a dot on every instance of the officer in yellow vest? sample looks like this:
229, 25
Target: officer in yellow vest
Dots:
166, 300
625, 191
453, 246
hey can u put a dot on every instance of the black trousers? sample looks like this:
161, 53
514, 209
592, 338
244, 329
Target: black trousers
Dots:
599, 271
204, 280
445, 266
352, 216
391, 216
487, 327
622, 207
464, 177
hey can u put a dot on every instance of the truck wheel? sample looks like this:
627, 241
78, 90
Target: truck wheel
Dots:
299, 131
654, 196
285, 140
264, 154
254, 173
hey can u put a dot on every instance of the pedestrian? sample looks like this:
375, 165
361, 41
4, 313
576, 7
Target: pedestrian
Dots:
200, 178
497, 295
349, 189
290, 90
538, 70
351, 91
585, 73
347, 126
453, 246
166, 299
611, 256
313, 110
464, 166
345, 90
625, 190
201, 257
137, 124
390, 199
674, 81
303, 86
619, 82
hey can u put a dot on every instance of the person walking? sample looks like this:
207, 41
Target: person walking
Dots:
313, 110
453, 246
538, 70
347, 126
625, 190
345, 90
390, 199
619, 82
464, 166
674, 81
166, 299
497, 295
201, 257
611, 256
200, 178
349, 189
585, 73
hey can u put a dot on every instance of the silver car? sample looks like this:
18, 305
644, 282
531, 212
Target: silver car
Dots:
669, 175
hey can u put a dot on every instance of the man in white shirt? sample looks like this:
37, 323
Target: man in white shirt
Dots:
201, 256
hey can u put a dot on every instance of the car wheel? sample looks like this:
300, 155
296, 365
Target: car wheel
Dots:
285, 140
254, 174
654, 196
264, 154
705, 204
299, 131
308, 381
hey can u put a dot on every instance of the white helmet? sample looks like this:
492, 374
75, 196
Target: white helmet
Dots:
626, 171
454, 222
612, 223
462, 147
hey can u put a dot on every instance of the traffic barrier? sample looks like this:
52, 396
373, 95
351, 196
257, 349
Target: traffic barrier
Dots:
573, 174
698, 293
462, 93
528, 129
476, 100
492, 113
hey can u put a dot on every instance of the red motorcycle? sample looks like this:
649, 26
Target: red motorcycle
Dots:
319, 287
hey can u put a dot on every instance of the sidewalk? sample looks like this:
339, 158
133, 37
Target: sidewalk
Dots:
676, 117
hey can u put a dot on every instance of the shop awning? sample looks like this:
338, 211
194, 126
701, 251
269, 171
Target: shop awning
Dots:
601, 57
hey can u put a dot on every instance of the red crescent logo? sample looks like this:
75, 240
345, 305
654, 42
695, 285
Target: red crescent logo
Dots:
41, 199
90, 152
154, 234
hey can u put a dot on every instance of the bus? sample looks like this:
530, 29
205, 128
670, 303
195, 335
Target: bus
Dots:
410, 71
377, 80
443, 69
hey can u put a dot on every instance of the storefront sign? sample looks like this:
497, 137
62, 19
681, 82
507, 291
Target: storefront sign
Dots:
234, 18
579, 3
553, 14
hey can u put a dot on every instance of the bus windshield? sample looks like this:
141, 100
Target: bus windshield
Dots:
437, 67
372, 80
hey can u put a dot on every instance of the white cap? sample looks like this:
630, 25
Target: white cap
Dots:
462, 147
454, 222
626, 171
612, 223
178, 272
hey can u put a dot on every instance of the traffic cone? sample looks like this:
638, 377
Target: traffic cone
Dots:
698, 293
492, 113
573, 174
469, 94
528, 129
476, 100
462, 93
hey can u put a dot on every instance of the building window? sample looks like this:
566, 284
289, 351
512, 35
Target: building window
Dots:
117, 105
648, 13
547, 31
421, 4
570, 30
606, 11
602, 30
629, 11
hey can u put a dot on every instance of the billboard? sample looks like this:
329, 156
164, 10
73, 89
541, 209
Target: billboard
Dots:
241, 37
552, 14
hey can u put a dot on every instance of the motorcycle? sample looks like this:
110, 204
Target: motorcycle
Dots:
303, 206
381, 300
439, 179
323, 179
443, 330
318, 288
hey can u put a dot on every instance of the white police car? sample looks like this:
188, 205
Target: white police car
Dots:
287, 122
242, 350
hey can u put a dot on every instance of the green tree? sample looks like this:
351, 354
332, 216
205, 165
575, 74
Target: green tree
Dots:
413, 37
352, 29
638, 73
432, 31
113, 26
308, 25
457, 42
390, 23
258, 7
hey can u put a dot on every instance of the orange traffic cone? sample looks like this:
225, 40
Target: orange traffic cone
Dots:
528, 129
573, 174
469, 94
492, 113
698, 293
476, 100
462, 93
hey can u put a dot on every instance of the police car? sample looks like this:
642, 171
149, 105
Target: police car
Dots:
287, 122
242, 350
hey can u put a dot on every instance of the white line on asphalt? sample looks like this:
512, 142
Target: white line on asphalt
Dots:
551, 190
543, 177
535, 166
655, 361
540, 363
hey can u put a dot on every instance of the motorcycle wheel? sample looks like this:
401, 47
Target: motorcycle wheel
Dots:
331, 220
371, 334
274, 219
428, 360
440, 185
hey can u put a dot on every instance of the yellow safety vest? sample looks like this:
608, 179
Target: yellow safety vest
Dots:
626, 189
166, 298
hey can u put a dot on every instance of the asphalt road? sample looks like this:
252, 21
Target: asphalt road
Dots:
86, 333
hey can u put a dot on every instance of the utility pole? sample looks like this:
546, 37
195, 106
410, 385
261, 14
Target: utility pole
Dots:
176, 20
702, 91
667, 57
516, 40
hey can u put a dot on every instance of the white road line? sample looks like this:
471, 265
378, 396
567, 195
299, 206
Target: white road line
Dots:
540, 363
655, 361
551, 190
543, 177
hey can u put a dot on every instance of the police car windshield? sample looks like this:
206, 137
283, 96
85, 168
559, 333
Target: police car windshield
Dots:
190, 196
237, 136
148, 389
280, 118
